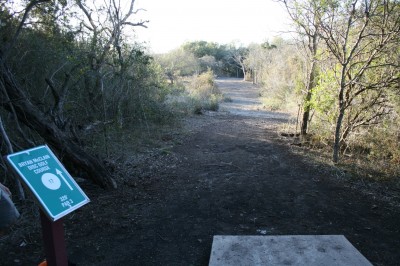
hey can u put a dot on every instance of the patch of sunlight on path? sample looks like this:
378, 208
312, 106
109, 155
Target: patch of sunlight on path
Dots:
245, 99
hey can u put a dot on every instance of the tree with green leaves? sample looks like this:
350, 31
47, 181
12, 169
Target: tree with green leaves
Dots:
362, 39
306, 16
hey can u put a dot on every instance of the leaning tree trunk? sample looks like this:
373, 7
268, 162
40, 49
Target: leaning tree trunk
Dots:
34, 118
20, 190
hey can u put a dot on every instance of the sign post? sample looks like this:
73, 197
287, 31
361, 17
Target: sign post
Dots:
53, 241
56, 191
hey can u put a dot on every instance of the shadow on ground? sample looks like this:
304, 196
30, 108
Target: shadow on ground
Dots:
230, 174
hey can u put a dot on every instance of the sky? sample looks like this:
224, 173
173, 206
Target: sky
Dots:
174, 22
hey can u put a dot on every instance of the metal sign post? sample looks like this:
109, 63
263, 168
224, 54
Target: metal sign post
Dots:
56, 191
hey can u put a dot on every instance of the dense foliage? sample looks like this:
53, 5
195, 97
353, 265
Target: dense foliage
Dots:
78, 81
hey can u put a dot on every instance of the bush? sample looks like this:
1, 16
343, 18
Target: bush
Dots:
203, 86
200, 93
204, 92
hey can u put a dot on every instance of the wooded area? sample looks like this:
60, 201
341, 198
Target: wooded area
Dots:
70, 73
353, 56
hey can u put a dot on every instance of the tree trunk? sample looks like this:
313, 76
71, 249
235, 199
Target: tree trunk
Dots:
336, 146
311, 85
339, 121
307, 107
35, 119
306, 114
20, 190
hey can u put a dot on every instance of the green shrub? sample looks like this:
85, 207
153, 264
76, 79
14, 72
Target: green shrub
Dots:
203, 86
194, 95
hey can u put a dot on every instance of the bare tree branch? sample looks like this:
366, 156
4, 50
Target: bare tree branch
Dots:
28, 9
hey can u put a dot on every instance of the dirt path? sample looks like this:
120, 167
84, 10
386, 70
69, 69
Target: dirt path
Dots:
231, 174
245, 100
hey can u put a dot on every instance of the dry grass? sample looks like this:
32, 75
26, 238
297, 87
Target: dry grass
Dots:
367, 157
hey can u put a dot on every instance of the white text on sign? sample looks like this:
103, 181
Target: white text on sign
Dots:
65, 202
38, 164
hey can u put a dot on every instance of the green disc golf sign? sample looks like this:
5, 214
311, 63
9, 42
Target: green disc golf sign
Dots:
47, 178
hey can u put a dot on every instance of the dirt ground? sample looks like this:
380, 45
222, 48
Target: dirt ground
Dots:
225, 173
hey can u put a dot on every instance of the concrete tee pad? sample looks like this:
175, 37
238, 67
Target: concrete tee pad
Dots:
311, 250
